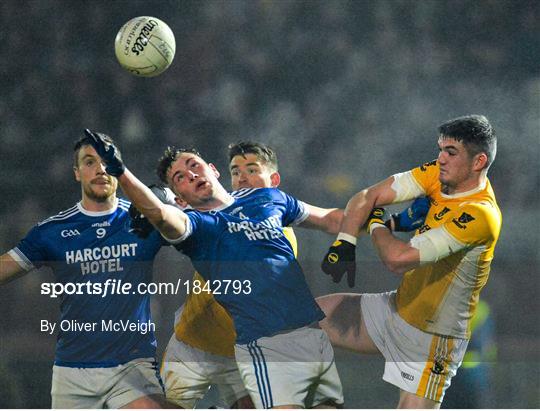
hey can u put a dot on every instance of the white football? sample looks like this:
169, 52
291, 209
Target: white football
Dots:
145, 46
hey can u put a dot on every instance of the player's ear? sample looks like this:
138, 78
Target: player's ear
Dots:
77, 174
181, 202
480, 161
275, 179
214, 169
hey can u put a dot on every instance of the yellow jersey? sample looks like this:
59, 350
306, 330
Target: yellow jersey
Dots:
440, 296
205, 324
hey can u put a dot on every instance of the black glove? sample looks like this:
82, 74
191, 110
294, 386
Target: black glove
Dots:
412, 217
340, 259
139, 224
108, 152
375, 217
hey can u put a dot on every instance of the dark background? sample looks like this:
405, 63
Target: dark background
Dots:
347, 92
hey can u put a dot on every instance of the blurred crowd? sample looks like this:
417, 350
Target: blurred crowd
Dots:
356, 88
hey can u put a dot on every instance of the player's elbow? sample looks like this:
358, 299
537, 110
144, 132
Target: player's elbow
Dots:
397, 264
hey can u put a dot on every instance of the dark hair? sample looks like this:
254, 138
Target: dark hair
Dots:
476, 134
263, 153
86, 141
170, 155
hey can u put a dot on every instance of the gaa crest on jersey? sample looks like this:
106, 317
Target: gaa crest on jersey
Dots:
69, 233
463, 219
425, 166
441, 213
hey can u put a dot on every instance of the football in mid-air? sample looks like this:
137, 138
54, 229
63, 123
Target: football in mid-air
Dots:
145, 46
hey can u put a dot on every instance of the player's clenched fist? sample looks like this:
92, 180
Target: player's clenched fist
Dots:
340, 259
108, 152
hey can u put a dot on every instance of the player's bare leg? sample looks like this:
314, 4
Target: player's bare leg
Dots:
344, 323
243, 403
149, 402
410, 401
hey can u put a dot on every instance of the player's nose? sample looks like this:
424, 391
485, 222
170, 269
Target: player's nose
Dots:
101, 168
192, 176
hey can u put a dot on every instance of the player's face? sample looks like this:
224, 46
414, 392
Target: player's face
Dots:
193, 179
456, 165
96, 184
250, 172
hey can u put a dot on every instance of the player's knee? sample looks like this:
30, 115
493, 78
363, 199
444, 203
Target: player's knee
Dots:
148, 402
409, 400
243, 403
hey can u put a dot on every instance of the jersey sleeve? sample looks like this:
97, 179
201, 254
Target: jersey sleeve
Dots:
427, 177
415, 183
295, 211
200, 227
31, 252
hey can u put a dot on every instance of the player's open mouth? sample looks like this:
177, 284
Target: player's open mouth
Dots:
200, 185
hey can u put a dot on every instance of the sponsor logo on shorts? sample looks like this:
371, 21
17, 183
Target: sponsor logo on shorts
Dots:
438, 367
407, 376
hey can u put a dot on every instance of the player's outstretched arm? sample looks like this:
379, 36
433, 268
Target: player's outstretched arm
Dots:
9, 269
169, 220
324, 219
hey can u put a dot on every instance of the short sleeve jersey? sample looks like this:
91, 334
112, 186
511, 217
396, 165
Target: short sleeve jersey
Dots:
441, 297
245, 242
96, 253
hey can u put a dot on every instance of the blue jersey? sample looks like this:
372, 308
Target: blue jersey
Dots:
245, 241
88, 249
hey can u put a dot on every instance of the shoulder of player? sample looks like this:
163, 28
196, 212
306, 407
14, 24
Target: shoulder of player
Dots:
75, 211
124, 204
481, 216
426, 170
247, 192
62, 216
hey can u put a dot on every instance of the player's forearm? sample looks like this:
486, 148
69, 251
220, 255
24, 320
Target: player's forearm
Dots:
170, 221
398, 256
357, 212
142, 197
324, 219
334, 219
9, 269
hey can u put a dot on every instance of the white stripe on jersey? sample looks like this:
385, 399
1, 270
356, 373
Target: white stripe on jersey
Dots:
243, 192
406, 187
187, 233
62, 215
435, 244
21, 259
302, 215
